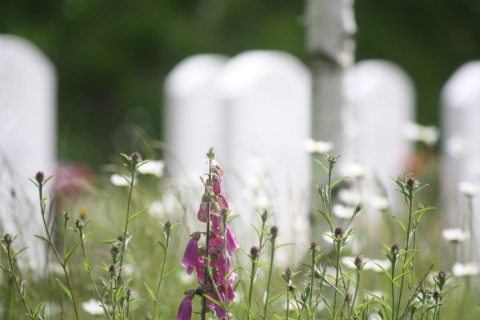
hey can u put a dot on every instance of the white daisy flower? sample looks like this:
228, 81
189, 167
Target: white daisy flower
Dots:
343, 212
349, 196
93, 307
119, 181
416, 132
468, 189
313, 146
456, 235
152, 167
465, 270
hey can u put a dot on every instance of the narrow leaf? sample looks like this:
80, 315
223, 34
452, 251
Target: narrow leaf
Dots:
67, 291
137, 214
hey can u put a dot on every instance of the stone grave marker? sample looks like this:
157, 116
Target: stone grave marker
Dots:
27, 140
193, 115
266, 97
461, 133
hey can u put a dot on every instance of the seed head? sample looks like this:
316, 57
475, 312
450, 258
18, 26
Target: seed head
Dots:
254, 251
395, 249
7, 239
39, 177
411, 183
274, 231
111, 270
291, 288
135, 157
338, 232
358, 262
437, 295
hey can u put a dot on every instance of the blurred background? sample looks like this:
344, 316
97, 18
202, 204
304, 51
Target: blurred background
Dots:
112, 57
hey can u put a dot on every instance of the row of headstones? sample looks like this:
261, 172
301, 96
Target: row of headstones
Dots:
254, 108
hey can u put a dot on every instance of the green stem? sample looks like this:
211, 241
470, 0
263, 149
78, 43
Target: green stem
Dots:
393, 288
89, 271
269, 276
161, 275
12, 270
207, 243
355, 294
407, 243
49, 236
125, 231
312, 273
338, 243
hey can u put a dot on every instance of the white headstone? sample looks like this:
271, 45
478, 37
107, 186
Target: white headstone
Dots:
383, 100
193, 115
27, 139
461, 132
266, 95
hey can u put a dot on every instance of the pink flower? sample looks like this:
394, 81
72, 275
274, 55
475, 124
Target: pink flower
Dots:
232, 245
185, 309
217, 184
222, 202
217, 168
203, 212
190, 257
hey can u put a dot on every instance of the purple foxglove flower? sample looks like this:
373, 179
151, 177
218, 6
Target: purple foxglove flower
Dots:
190, 257
217, 184
222, 202
216, 225
221, 313
217, 168
232, 245
203, 212
185, 309
231, 294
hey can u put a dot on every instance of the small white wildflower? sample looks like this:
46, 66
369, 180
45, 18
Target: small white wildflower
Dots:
354, 170
468, 189
416, 132
380, 203
465, 270
343, 212
119, 181
326, 237
349, 262
313, 146
152, 167
456, 147
349, 196
93, 307
375, 264
455, 235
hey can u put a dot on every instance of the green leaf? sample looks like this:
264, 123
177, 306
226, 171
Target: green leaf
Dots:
163, 246
338, 181
400, 223
6, 269
137, 214
34, 182
321, 164
67, 291
16, 254
284, 245
326, 216
88, 235
23, 289
87, 266
44, 239
69, 254
150, 293
275, 297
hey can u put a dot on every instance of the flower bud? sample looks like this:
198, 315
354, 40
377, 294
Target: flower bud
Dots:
338, 232
358, 262
135, 157
274, 231
39, 177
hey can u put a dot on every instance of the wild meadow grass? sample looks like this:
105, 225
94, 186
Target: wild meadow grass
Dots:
137, 246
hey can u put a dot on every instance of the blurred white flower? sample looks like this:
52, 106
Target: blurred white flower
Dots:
468, 189
380, 203
313, 146
416, 132
354, 170
349, 262
119, 181
93, 307
375, 264
465, 270
343, 212
349, 196
153, 167
455, 235
456, 147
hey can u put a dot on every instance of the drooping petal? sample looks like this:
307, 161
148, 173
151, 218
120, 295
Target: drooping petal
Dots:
232, 244
190, 257
185, 309
203, 212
